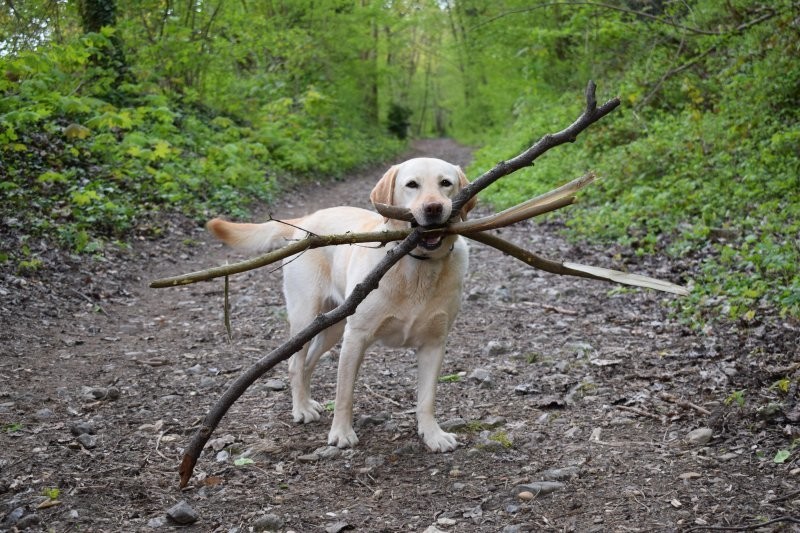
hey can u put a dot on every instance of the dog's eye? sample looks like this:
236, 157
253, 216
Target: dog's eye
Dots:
446, 183
412, 184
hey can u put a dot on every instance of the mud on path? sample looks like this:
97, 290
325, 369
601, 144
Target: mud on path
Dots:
548, 379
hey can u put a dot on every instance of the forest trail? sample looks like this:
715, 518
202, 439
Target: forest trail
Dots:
570, 391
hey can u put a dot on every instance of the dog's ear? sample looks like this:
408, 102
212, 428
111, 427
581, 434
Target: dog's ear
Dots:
383, 192
463, 182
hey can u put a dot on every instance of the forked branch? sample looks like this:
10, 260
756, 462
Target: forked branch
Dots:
410, 238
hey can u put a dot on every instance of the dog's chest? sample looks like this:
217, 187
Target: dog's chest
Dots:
421, 306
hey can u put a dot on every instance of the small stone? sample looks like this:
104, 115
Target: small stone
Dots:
433, 529
74, 514
308, 458
492, 422
81, 428
700, 436
220, 442
27, 521
275, 385
337, 527
524, 389
157, 522
371, 420
94, 393
457, 486
222, 456
526, 495
540, 488
328, 452
728, 456
479, 375
194, 370
495, 348
561, 474
512, 508
454, 424
446, 522
13, 517
182, 513
87, 441
44, 414
268, 522
112, 394
512, 528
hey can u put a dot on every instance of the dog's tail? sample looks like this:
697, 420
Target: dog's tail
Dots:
251, 237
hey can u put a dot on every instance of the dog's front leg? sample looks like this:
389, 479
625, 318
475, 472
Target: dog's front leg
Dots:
429, 364
350, 358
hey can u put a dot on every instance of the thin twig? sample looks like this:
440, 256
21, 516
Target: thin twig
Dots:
641, 412
382, 397
683, 403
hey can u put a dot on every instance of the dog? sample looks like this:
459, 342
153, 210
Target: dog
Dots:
414, 305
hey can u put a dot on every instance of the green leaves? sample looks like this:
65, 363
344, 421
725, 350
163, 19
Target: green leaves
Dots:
699, 166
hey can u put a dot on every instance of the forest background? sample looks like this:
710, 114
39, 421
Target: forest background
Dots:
113, 112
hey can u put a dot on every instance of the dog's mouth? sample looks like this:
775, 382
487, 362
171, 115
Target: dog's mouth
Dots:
429, 241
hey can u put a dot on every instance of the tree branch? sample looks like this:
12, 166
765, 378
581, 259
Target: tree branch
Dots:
548, 202
590, 115
540, 205
312, 241
576, 269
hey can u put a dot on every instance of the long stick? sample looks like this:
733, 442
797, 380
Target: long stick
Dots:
348, 307
540, 205
575, 269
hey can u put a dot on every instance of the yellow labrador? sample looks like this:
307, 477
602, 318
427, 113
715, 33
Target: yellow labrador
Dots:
414, 306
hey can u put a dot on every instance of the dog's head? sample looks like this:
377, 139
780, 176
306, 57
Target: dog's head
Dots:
425, 186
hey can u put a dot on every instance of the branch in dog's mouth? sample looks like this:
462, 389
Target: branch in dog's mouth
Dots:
431, 239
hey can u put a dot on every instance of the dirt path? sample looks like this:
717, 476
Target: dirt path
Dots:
573, 382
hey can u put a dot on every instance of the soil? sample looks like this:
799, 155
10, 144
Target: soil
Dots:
642, 422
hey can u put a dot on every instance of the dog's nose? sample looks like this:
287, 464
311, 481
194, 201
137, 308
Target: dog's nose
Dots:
432, 209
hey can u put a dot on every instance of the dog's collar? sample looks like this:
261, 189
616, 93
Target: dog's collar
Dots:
426, 257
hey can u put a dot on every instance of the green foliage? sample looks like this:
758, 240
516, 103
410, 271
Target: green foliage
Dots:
88, 157
12, 427
781, 456
206, 108
701, 163
51, 492
736, 397
502, 438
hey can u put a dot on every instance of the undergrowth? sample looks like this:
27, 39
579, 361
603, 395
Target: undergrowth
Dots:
83, 163
707, 175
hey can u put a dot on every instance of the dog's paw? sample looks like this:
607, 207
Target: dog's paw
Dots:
342, 438
439, 441
306, 412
